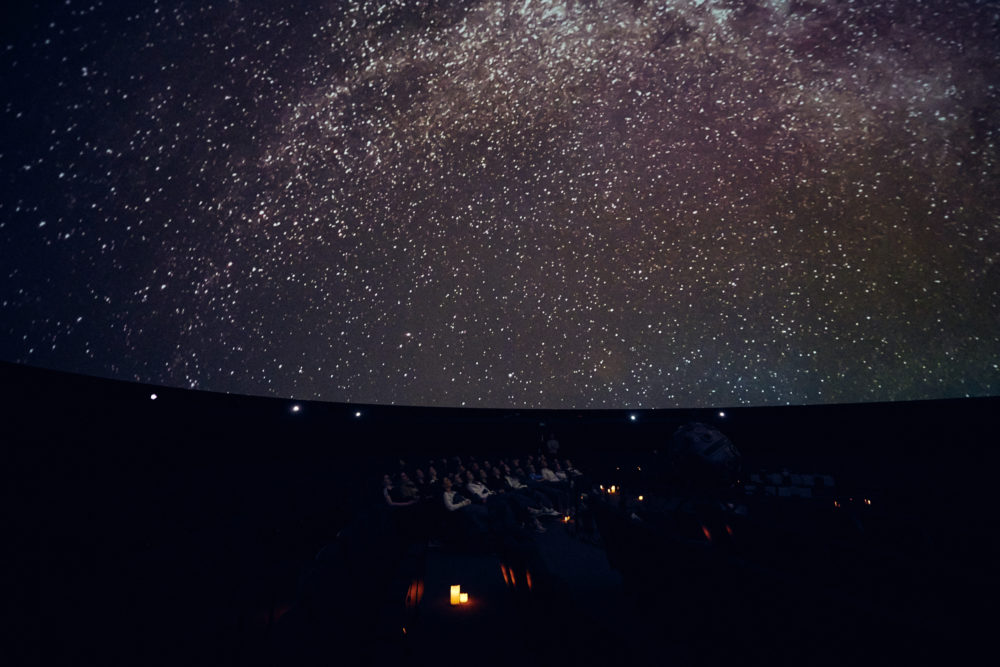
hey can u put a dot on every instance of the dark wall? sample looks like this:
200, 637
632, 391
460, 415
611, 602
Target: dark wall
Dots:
143, 528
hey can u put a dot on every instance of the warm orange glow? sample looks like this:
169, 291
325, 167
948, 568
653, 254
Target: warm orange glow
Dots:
708, 534
867, 502
836, 504
566, 519
463, 598
513, 581
729, 529
602, 487
640, 499
456, 592
527, 576
404, 631
506, 578
415, 593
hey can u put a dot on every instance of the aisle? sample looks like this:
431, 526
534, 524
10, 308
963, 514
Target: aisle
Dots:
557, 603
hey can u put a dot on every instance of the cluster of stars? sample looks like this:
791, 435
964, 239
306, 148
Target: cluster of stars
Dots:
543, 203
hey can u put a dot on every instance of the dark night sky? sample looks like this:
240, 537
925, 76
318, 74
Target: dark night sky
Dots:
506, 204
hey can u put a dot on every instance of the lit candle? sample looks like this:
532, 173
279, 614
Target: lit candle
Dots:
456, 593
463, 598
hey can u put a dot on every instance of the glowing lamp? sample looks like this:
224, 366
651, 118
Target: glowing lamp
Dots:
640, 499
456, 595
463, 598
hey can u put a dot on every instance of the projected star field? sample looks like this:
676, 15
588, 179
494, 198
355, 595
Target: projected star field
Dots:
542, 203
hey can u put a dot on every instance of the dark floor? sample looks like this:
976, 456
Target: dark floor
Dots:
580, 611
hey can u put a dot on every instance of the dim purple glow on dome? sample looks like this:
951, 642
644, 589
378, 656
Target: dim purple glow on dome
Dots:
578, 204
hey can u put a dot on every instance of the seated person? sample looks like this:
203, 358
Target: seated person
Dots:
548, 474
496, 480
432, 483
474, 516
536, 499
403, 517
407, 488
393, 495
502, 509
420, 480
533, 480
476, 487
